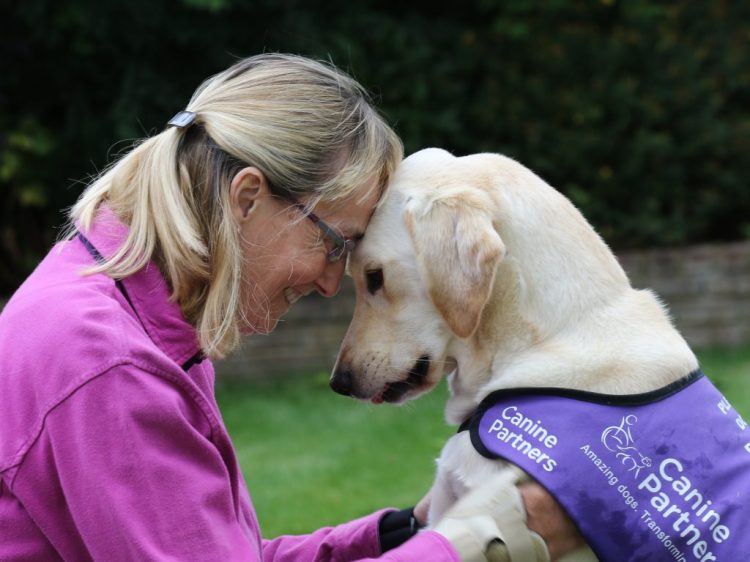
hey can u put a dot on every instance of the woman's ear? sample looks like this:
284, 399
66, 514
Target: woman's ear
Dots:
247, 187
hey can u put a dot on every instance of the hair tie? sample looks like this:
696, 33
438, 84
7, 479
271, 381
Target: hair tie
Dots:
182, 120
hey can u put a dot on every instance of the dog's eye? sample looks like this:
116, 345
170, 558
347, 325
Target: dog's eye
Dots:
374, 280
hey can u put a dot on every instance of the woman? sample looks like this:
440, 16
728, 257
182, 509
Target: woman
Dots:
111, 443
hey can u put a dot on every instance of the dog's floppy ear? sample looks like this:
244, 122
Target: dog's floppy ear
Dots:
458, 251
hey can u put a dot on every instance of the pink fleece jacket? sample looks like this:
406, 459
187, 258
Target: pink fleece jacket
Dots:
112, 446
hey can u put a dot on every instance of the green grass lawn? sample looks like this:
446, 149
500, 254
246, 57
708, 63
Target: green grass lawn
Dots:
314, 458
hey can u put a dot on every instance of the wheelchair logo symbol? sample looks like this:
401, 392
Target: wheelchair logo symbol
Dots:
619, 440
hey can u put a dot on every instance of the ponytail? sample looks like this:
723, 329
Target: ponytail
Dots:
291, 117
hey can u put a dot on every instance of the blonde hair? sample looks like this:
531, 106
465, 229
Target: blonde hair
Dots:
291, 117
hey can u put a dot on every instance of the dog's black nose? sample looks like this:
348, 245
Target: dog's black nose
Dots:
341, 382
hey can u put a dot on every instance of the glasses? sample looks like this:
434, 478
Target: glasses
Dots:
342, 247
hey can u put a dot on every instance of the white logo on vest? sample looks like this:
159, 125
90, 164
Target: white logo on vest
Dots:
619, 439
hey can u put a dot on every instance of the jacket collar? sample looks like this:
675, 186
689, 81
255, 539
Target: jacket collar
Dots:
147, 292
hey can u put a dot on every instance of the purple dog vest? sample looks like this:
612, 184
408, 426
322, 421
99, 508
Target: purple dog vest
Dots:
663, 475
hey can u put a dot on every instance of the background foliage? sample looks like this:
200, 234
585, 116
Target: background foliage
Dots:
639, 111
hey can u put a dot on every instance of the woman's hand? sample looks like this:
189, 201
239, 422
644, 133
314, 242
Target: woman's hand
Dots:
547, 518
488, 512
544, 516
421, 510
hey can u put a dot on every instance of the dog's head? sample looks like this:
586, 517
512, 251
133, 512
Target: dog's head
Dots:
423, 275
435, 289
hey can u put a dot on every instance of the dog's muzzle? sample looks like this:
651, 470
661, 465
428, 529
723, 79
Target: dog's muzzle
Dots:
342, 382
394, 391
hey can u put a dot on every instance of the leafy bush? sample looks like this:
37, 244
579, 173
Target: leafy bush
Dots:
639, 111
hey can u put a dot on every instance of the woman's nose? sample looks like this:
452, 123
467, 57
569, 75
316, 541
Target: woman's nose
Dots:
330, 280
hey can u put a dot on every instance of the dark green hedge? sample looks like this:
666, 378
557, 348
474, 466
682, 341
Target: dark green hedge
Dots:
639, 110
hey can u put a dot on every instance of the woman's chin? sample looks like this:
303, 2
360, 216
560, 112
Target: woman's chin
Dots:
265, 324
259, 326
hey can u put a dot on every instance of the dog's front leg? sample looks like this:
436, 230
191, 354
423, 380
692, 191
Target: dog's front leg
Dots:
448, 485
459, 469
442, 495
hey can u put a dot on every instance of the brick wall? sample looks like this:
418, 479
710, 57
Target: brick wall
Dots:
707, 289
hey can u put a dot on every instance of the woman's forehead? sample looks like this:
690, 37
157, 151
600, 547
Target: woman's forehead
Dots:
351, 216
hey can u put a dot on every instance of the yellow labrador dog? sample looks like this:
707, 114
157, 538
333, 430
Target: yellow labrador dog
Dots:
474, 267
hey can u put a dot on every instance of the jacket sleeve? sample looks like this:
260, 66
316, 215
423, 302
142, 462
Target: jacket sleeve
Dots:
124, 469
357, 541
